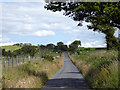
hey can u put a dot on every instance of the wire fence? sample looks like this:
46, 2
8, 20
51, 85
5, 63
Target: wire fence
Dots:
14, 61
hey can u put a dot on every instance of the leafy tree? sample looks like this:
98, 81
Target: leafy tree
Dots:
64, 48
74, 45
104, 16
9, 53
56, 49
50, 46
42, 46
61, 47
31, 50
60, 44
17, 52
3, 52
25, 50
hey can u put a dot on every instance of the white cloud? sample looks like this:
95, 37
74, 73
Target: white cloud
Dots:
4, 38
0, 37
68, 43
28, 26
41, 33
7, 44
76, 30
94, 44
45, 25
20, 19
21, 1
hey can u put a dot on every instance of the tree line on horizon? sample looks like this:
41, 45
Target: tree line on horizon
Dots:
31, 50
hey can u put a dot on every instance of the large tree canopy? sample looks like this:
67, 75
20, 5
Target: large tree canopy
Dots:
104, 16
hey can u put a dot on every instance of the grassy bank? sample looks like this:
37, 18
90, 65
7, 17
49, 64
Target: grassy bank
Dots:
32, 74
100, 68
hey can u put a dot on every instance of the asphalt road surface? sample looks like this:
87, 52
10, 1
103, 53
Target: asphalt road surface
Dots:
67, 78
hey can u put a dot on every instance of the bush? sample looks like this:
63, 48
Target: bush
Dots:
48, 57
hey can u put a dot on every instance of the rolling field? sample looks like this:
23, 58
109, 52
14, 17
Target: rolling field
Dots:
11, 48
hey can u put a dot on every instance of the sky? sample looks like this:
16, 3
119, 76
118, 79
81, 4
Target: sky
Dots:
30, 22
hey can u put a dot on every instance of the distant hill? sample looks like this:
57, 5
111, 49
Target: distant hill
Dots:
11, 48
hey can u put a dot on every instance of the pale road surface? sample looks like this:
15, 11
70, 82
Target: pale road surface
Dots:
67, 78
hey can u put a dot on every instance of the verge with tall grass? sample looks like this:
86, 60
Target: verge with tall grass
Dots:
32, 74
99, 67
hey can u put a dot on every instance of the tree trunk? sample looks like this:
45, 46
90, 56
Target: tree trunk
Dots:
111, 41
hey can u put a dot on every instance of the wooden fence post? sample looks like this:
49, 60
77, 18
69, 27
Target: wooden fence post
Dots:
18, 60
8, 62
12, 61
23, 59
4, 62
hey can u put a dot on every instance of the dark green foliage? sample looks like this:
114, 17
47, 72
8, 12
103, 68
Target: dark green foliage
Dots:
78, 52
7, 53
31, 50
48, 57
64, 48
50, 46
42, 46
61, 47
3, 52
74, 45
103, 16
60, 43
56, 49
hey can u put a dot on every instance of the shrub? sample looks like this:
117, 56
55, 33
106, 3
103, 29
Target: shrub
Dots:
48, 57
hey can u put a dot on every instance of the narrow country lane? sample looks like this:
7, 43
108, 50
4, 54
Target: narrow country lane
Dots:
67, 78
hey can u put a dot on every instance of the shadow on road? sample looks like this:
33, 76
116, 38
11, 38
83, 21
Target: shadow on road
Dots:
72, 83
74, 72
68, 77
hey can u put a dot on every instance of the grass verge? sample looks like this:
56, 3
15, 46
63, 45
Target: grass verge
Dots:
100, 68
32, 74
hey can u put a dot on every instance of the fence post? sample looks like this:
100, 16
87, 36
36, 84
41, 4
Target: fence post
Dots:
4, 62
12, 61
18, 60
23, 59
8, 62
29, 58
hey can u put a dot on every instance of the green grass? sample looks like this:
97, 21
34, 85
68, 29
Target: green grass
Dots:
30, 75
44, 52
99, 67
11, 48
